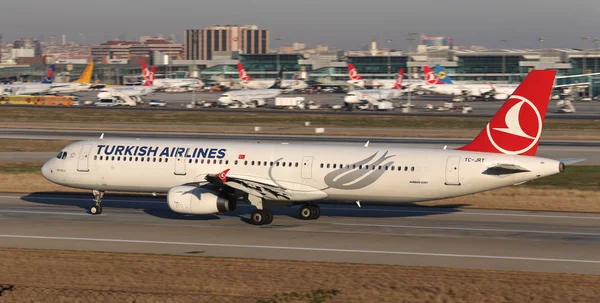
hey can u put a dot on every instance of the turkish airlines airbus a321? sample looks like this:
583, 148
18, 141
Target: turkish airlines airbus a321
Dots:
210, 177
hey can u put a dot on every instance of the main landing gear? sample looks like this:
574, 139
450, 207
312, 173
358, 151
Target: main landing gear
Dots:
96, 208
261, 217
310, 212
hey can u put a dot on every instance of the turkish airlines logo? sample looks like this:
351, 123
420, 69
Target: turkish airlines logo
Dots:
430, 78
519, 131
353, 74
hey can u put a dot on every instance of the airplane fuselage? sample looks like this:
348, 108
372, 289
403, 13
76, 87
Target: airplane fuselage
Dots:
308, 172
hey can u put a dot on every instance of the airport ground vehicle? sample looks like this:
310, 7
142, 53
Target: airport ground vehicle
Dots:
158, 103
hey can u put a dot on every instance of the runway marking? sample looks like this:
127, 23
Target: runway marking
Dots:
470, 229
338, 250
43, 212
363, 209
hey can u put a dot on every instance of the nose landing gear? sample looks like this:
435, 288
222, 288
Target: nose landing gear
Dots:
96, 208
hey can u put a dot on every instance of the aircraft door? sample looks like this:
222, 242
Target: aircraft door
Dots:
307, 163
180, 166
83, 160
452, 171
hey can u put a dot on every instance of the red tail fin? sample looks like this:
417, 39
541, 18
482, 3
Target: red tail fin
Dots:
399, 79
353, 73
148, 75
517, 127
430, 77
242, 72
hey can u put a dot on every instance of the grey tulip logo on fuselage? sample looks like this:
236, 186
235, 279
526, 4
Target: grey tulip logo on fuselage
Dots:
360, 174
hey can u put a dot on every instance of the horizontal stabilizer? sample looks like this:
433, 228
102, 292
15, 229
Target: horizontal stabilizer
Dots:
570, 161
505, 169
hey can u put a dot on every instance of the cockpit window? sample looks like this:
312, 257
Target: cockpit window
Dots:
64, 156
59, 155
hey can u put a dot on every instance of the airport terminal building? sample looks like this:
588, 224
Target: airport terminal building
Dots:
501, 65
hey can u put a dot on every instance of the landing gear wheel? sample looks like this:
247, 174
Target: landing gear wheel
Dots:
268, 216
316, 212
96, 209
258, 217
306, 212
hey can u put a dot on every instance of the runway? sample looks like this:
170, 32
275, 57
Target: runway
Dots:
533, 241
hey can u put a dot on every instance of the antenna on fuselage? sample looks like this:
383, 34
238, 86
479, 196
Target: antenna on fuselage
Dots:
102, 136
445, 146
367, 144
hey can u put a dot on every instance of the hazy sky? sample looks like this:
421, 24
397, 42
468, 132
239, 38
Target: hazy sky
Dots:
337, 23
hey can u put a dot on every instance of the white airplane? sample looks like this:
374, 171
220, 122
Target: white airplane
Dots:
210, 177
169, 83
248, 83
21, 89
377, 97
129, 94
358, 81
251, 97
495, 91
81, 84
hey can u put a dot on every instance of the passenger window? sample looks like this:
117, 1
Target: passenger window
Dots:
321, 165
142, 159
328, 165
236, 162
136, 159
245, 162
392, 168
258, 163
153, 159
406, 168
367, 167
190, 161
252, 163
289, 164
276, 163
379, 167
101, 157
95, 157
412, 168
196, 161
130, 159
296, 164
166, 160
113, 158
360, 167
159, 159
220, 161
335, 165
283, 164
265, 163
226, 162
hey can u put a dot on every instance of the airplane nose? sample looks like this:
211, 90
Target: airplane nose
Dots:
47, 171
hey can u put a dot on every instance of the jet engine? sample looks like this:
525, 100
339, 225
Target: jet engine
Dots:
198, 201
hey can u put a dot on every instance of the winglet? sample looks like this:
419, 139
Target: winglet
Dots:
223, 175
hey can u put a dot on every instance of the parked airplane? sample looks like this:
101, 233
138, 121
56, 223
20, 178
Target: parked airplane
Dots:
248, 83
169, 83
130, 95
357, 80
210, 177
378, 98
496, 91
252, 97
81, 84
19, 89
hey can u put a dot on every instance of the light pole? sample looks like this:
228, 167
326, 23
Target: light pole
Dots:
596, 41
278, 51
584, 68
389, 63
411, 38
504, 59
541, 40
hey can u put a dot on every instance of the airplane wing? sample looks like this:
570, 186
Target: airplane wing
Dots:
266, 189
256, 188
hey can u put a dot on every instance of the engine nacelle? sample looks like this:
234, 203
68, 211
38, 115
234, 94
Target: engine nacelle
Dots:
198, 201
